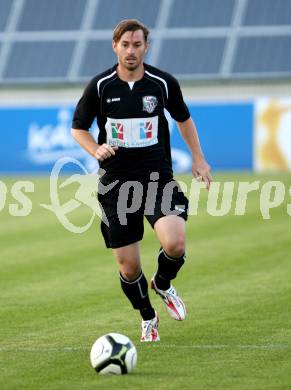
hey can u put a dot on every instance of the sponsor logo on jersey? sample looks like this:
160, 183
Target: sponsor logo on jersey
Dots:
149, 103
117, 130
146, 130
132, 132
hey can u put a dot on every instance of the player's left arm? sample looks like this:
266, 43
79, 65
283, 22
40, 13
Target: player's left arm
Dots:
200, 167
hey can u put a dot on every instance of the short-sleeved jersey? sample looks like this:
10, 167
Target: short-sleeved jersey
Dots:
133, 118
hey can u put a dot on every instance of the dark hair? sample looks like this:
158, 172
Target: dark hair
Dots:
129, 25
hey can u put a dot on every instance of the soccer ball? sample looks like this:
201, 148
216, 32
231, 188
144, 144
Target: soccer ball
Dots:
113, 353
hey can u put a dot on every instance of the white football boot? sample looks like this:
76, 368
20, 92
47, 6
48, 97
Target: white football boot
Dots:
174, 304
149, 329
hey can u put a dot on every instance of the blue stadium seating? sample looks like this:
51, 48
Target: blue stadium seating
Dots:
51, 15
70, 40
109, 13
201, 13
269, 54
5, 6
97, 58
192, 56
39, 60
268, 13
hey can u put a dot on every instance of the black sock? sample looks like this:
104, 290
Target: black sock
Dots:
161, 283
137, 293
167, 269
147, 313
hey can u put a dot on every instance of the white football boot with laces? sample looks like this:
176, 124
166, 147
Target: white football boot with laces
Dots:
174, 304
149, 329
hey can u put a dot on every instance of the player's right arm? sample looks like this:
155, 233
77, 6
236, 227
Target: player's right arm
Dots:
86, 111
85, 139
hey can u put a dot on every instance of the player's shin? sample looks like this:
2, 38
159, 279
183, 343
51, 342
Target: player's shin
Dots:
168, 267
137, 293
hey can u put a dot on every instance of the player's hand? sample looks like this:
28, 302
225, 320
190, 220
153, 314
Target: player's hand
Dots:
104, 151
201, 172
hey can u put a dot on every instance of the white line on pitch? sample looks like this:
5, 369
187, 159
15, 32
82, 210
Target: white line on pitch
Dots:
226, 346
158, 345
44, 349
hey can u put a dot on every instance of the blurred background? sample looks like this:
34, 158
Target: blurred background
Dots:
232, 58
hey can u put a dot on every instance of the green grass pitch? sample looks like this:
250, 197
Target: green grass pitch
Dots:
60, 291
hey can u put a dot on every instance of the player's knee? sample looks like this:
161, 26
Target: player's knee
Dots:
130, 275
175, 247
130, 271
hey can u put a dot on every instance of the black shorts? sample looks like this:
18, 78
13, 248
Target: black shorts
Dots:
126, 204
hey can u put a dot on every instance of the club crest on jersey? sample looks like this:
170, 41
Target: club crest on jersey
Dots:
149, 103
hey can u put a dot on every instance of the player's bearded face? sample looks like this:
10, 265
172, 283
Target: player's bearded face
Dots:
131, 49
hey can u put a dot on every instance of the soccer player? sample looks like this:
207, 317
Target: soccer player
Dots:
133, 146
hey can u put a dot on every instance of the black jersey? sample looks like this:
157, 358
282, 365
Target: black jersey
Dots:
132, 117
